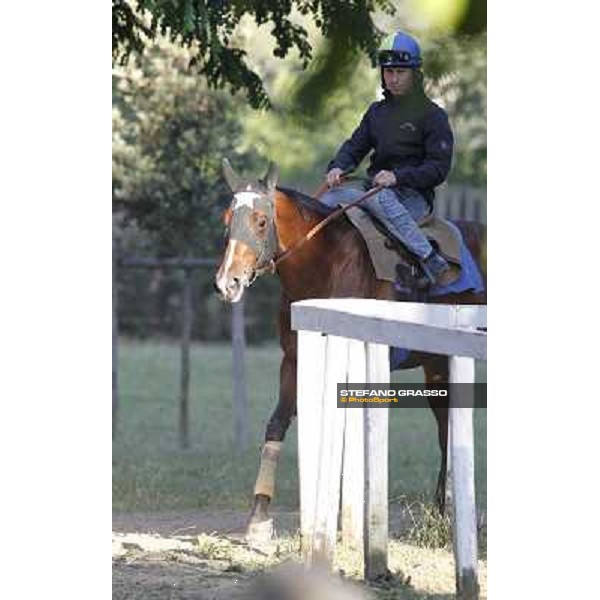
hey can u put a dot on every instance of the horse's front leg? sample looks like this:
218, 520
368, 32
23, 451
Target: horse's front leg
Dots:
437, 371
260, 525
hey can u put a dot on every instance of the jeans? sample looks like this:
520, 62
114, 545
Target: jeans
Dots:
398, 209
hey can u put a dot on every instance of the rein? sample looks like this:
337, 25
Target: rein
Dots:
334, 215
346, 176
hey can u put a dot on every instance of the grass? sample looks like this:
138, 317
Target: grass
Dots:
151, 472
429, 528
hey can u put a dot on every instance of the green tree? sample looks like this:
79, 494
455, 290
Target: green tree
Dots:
305, 139
456, 68
170, 133
209, 26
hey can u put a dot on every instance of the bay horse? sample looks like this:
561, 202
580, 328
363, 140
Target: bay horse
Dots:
265, 221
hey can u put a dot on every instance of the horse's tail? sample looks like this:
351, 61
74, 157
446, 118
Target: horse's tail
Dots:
475, 237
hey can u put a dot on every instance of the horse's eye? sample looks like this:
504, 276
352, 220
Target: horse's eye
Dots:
262, 222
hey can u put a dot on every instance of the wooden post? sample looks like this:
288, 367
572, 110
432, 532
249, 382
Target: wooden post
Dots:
441, 203
240, 400
462, 370
463, 203
115, 339
448, 196
478, 211
376, 469
353, 468
310, 381
448, 502
186, 333
456, 203
329, 470
469, 204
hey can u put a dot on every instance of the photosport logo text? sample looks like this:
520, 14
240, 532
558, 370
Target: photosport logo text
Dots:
411, 395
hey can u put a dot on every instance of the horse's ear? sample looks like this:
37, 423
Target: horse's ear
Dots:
233, 181
272, 176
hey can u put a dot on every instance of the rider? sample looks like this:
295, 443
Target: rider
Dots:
412, 146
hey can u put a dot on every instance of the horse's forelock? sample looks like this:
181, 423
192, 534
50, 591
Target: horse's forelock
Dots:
256, 187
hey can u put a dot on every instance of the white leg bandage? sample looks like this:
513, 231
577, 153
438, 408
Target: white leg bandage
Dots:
265, 482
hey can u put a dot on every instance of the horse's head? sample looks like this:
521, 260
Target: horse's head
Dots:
252, 242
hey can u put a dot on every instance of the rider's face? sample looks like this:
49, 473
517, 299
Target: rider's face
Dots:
398, 80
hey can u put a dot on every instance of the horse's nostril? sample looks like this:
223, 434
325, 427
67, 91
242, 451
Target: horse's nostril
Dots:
216, 287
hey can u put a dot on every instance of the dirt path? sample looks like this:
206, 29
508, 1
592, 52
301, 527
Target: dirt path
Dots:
158, 555
194, 522
200, 555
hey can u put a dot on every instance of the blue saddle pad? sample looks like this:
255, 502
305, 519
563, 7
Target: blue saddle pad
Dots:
470, 280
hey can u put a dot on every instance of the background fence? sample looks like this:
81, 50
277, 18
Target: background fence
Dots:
461, 202
187, 266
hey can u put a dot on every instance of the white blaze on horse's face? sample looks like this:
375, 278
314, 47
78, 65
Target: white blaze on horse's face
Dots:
237, 268
244, 199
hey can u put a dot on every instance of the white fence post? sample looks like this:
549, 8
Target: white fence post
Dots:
353, 468
311, 374
320, 431
376, 469
462, 371
330, 441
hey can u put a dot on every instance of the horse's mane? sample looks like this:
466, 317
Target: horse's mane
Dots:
304, 201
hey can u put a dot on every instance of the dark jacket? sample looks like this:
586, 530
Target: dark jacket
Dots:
409, 135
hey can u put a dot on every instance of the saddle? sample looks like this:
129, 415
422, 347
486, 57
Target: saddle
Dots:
390, 258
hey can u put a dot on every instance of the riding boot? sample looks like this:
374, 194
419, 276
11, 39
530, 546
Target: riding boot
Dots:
436, 271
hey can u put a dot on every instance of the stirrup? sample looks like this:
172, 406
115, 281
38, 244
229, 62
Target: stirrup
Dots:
426, 278
424, 282
431, 278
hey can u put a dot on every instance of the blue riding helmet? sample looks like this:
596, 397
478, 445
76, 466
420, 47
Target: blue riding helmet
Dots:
400, 50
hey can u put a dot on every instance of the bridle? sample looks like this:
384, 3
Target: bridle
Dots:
266, 249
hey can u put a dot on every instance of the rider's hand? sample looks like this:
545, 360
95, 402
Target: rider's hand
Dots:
385, 178
334, 177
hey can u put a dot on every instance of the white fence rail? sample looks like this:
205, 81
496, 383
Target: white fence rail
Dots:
347, 341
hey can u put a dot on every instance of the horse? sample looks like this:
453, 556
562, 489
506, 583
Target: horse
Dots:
265, 221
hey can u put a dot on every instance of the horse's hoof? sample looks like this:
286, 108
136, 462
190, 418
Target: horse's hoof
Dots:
260, 532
